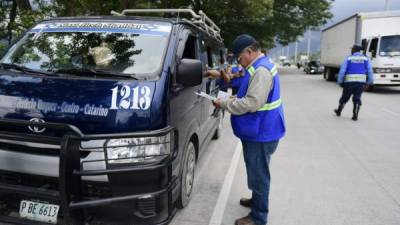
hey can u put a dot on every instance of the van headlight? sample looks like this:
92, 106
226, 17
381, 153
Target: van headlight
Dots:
382, 70
138, 149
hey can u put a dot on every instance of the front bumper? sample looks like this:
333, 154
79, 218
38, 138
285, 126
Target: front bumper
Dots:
133, 194
387, 79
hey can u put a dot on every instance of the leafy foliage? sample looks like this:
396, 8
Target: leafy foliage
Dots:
18, 18
270, 21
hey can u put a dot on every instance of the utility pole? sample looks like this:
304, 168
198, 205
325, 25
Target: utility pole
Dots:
287, 51
295, 52
309, 44
386, 5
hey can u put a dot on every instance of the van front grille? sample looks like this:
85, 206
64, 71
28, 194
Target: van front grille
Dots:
34, 148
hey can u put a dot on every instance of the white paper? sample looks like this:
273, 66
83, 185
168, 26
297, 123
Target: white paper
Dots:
207, 96
223, 95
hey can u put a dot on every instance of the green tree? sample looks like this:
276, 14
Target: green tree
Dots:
270, 21
18, 15
291, 18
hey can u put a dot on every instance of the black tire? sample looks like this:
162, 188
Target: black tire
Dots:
325, 73
218, 131
329, 74
187, 181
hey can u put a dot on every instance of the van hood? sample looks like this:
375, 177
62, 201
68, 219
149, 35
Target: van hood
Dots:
94, 106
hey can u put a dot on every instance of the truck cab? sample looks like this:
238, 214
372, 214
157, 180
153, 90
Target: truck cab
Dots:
384, 53
99, 122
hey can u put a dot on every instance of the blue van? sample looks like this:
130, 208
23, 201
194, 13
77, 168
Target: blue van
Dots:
99, 123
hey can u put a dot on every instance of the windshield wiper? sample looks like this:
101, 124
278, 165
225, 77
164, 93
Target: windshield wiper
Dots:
95, 72
24, 69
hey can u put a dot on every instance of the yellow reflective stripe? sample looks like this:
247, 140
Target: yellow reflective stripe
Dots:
355, 77
251, 70
271, 106
274, 71
357, 58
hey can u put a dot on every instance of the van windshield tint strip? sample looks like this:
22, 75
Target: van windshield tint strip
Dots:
133, 31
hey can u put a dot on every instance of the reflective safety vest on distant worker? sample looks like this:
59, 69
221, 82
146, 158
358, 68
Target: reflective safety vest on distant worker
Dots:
235, 82
357, 68
267, 123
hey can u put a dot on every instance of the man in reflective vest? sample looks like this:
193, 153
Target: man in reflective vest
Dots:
258, 120
354, 76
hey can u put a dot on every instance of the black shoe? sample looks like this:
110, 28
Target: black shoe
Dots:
356, 110
338, 111
246, 202
245, 221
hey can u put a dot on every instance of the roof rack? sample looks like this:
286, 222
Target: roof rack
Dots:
200, 20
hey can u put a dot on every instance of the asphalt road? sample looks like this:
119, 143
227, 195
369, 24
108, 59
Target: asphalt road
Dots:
328, 170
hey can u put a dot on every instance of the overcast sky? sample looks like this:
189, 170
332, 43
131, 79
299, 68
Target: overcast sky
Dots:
341, 9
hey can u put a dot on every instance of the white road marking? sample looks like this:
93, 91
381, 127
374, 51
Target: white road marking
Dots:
391, 112
219, 209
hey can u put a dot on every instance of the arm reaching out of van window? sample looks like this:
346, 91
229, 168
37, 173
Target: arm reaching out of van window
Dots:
218, 74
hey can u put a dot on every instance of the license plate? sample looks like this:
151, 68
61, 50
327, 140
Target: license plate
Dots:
39, 211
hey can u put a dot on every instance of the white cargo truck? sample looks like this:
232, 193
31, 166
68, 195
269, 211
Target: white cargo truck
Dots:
377, 32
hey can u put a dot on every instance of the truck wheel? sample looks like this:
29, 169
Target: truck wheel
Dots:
326, 73
329, 74
187, 178
218, 131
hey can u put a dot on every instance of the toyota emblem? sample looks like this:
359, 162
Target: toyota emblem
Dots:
36, 129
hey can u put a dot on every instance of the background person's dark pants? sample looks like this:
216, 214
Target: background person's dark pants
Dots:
257, 156
352, 88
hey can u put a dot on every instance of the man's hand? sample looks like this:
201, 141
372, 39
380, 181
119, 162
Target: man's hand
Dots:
225, 76
213, 73
366, 87
217, 103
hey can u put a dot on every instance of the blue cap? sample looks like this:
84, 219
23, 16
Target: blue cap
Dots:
357, 47
241, 42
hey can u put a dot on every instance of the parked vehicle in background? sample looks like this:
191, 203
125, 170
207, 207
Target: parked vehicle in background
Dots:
314, 67
99, 122
377, 32
282, 59
286, 62
303, 61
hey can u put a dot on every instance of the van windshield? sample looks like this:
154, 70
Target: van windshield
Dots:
123, 48
390, 46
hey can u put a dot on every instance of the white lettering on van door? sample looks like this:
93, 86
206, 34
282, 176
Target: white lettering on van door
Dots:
131, 98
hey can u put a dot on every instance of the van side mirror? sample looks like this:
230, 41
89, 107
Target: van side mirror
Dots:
189, 72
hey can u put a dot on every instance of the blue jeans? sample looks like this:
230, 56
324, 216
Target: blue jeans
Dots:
257, 156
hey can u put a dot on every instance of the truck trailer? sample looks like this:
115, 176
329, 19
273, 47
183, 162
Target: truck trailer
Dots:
379, 35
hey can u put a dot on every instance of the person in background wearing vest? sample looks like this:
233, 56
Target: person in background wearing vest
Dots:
354, 76
257, 119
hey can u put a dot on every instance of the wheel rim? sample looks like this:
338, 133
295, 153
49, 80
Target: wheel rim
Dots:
190, 170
